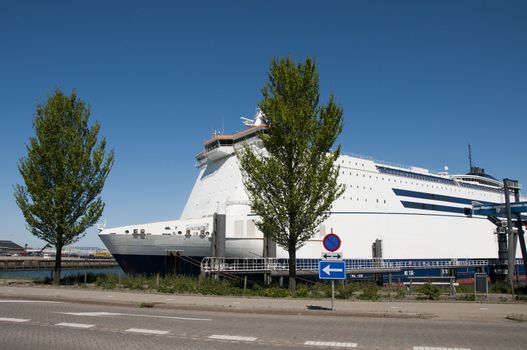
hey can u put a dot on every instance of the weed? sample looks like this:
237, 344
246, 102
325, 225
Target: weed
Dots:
430, 291
371, 292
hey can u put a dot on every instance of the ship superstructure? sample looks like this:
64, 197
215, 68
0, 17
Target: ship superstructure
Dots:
416, 213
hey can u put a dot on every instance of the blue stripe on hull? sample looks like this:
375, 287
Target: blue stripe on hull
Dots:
153, 264
184, 265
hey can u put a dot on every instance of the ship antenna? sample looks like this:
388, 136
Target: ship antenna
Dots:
470, 156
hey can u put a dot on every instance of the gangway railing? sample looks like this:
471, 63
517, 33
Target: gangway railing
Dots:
270, 265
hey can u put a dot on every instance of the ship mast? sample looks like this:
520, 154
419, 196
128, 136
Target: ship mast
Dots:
470, 157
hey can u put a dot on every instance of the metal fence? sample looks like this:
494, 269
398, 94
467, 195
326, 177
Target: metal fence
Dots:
267, 265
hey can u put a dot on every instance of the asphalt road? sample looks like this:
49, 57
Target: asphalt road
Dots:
56, 325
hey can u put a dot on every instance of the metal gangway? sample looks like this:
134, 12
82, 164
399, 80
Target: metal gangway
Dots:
276, 266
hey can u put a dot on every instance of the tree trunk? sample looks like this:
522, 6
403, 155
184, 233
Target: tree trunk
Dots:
58, 264
292, 270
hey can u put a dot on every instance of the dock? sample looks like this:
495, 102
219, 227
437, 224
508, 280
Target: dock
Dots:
9, 263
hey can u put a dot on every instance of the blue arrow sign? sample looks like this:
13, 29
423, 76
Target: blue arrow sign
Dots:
499, 209
331, 270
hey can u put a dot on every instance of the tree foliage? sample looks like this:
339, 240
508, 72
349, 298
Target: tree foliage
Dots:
64, 173
292, 181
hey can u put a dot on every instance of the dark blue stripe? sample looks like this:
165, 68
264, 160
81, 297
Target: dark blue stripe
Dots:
426, 206
437, 197
432, 196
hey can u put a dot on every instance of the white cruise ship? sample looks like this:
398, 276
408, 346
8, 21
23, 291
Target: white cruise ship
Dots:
416, 213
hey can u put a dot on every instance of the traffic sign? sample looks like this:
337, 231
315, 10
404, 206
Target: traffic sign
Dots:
332, 256
331, 242
332, 270
498, 209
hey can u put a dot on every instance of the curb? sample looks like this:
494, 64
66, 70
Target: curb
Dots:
225, 308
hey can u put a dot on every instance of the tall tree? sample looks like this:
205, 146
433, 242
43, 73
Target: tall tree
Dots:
292, 180
64, 173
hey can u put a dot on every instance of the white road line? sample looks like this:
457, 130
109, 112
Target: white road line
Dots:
29, 301
92, 314
483, 308
331, 343
146, 331
102, 313
7, 319
75, 325
232, 337
437, 348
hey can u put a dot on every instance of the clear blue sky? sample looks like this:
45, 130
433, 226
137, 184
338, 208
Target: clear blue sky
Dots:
418, 80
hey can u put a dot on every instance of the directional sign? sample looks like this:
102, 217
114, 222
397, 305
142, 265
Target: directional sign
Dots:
498, 209
332, 256
331, 242
332, 270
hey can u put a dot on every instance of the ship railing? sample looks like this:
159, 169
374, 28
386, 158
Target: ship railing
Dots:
268, 265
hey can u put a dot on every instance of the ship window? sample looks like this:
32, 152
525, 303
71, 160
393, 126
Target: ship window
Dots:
126, 231
385, 201
377, 200
167, 228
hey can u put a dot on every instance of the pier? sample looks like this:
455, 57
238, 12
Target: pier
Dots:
37, 263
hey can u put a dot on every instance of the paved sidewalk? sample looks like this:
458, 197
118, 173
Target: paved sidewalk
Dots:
396, 309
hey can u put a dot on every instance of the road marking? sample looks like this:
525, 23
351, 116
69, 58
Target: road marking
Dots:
437, 348
232, 337
331, 343
146, 331
99, 314
483, 308
93, 314
7, 319
29, 301
75, 325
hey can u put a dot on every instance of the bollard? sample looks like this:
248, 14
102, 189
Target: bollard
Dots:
85, 277
245, 285
157, 282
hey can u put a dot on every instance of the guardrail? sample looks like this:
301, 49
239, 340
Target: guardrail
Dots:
269, 265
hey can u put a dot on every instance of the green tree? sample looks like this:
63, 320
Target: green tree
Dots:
292, 181
64, 173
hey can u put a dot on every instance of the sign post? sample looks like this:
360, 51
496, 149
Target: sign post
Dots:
332, 266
